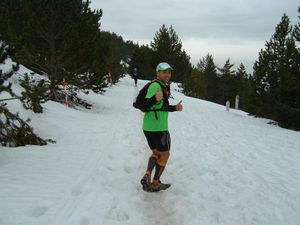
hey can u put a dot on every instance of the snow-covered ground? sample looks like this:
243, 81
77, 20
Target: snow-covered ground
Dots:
225, 167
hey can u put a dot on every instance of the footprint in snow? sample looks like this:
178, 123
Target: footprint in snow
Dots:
84, 221
76, 191
39, 211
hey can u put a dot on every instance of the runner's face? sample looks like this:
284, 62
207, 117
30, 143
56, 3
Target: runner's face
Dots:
164, 75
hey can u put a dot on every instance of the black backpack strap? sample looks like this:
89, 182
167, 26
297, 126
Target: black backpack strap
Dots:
166, 95
165, 99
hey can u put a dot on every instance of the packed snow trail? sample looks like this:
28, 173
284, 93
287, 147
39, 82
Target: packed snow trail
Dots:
225, 167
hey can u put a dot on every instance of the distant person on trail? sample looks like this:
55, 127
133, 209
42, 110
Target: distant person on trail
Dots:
135, 76
155, 127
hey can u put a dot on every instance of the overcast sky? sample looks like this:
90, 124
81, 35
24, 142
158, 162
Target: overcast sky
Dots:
235, 29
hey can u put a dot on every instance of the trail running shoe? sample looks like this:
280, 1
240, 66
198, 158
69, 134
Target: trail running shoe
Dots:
146, 182
160, 186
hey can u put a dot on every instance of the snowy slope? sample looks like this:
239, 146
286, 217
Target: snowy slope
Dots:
225, 167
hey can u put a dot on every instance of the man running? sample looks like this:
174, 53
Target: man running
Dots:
155, 126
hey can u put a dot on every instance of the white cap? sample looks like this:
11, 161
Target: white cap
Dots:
163, 66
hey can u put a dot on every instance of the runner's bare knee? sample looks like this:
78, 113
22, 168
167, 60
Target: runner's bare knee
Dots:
155, 153
163, 158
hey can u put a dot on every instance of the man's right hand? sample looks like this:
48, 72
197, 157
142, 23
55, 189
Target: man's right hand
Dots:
179, 106
158, 95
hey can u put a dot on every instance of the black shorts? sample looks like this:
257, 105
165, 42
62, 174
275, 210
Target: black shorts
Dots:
159, 140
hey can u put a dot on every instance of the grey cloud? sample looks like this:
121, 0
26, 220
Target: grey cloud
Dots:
139, 19
231, 22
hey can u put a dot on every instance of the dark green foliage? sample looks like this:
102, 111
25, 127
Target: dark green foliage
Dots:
203, 82
16, 132
206, 83
53, 37
143, 60
110, 52
208, 68
296, 31
3, 53
242, 86
276, 78
8, 74
167, 47
34, 94
195, 84
228, 83
61, 39
13, 130
109, 49
274, 89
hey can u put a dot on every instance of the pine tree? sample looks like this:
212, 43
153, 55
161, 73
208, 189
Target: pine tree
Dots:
53, 37
16, 132
168, 48
110, 51
142, 59
228, 84
208, 69
195, 85
296, 31
269, 65
288, 106
4, 51
13, 130
243, 85
34, 94
277, 77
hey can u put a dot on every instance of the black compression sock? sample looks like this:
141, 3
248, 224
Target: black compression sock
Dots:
158, 171
151, 164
